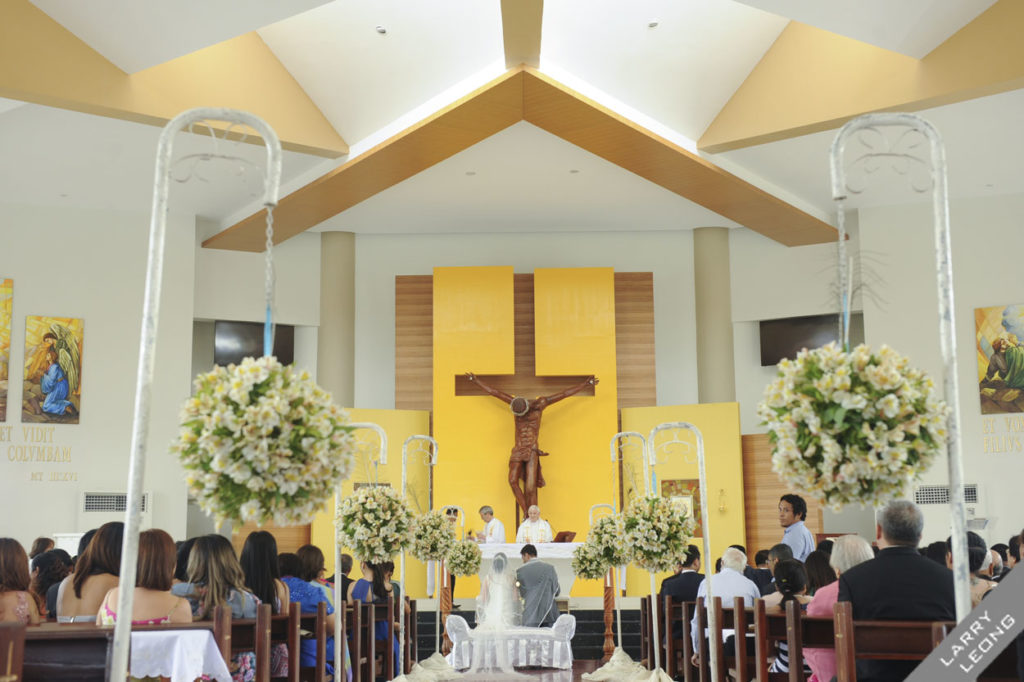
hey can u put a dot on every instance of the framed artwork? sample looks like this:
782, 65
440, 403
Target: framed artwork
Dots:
1000, 335
6, 308
685, 493
52, 390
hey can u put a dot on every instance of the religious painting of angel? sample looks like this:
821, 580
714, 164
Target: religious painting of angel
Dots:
1000, 336
6, 307
53, 370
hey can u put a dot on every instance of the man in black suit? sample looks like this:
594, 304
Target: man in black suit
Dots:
683, 585
898, 584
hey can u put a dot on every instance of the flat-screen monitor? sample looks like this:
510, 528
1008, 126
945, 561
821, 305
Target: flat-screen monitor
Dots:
785, 337
234, 341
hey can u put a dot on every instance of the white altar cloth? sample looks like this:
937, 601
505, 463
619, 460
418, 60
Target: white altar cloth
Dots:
558, 554
182, 655
537, 647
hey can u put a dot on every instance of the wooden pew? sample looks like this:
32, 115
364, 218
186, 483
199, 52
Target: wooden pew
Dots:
410, 636
383, 647
82, 651
316, 626
878, 640
284, 629
12, 651
646, 648
676, 612
769, 628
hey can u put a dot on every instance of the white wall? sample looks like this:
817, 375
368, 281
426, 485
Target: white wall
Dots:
669, 255
987, 242
769, 281
91, 264
229, 284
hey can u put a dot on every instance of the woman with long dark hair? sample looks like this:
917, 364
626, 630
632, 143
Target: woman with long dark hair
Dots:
262, 577
17, 603
152, 602
791, 582
819, 572
96, 573
375, 587
48, 569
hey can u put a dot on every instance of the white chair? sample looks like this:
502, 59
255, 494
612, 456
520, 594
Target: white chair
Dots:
532, 647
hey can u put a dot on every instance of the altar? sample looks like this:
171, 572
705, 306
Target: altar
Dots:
558, 554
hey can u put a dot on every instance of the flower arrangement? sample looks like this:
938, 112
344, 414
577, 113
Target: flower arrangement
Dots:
464, 558
852, 426
375, 523
261, 441
588, 562
658, 531
433, 536
607, 535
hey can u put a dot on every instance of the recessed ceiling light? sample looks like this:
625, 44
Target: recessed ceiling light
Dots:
653, 23
574, 170
989, 185
470, 172
381, 30
65, 196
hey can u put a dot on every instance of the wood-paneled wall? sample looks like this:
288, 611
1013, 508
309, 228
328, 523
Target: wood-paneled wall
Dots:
634, 340
289, 538
763, 490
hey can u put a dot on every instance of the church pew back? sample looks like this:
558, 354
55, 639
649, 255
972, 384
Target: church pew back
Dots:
12, 650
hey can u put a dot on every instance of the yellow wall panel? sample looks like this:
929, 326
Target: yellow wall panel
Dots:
719, 423
399, 425
575, 334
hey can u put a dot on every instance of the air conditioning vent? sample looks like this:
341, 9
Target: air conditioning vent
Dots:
110, 502
939, 494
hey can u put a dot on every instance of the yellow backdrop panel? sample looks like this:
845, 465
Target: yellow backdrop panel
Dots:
719, 423
398, 425
575, 334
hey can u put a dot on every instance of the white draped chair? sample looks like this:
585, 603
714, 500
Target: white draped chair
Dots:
527, 647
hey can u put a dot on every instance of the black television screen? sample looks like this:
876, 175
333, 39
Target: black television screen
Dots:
234, 341
784, 338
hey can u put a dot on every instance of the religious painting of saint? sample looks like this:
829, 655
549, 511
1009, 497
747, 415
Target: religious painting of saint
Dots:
6, 308
52, 390
1000, 337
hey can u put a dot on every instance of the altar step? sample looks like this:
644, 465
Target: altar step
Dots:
587, 644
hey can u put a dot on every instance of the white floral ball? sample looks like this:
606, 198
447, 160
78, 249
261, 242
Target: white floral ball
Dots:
375, 523
260, 441
658, 532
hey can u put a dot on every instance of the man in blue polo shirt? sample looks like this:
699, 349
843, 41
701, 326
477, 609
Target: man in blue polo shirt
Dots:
792, 513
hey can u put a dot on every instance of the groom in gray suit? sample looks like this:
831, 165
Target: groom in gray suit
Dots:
538, 586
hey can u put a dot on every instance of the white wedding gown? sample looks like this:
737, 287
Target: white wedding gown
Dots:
497, 611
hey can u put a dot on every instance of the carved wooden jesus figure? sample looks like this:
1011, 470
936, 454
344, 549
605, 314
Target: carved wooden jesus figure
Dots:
524, 475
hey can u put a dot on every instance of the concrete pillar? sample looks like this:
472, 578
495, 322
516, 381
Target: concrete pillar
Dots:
716, 376
335, 360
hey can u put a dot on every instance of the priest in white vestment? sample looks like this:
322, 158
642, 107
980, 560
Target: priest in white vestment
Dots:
494, 530
534, 529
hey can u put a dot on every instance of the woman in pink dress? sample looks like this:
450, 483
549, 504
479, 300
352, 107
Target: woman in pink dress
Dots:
847, 552
17, 604
153, 602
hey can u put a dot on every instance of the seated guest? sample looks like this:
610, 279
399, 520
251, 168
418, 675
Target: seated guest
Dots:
762, 574
534, 529
184, 550
1000, 569
825, 546
48, 569
375, 587
847, 552
898, 584
777, 553
761, 559
17, 603
313, 571
40, 545
791, 581
749, 572
729, 583
342, 575
152, 602
682, 586
259, 565
56, 592
977, 551
215, 578
95, 574
819, 573
936, 551
309, 597
1013, 552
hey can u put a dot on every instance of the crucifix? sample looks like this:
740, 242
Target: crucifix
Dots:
524, 470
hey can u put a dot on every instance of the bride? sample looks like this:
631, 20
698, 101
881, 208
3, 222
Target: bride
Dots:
498, 610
